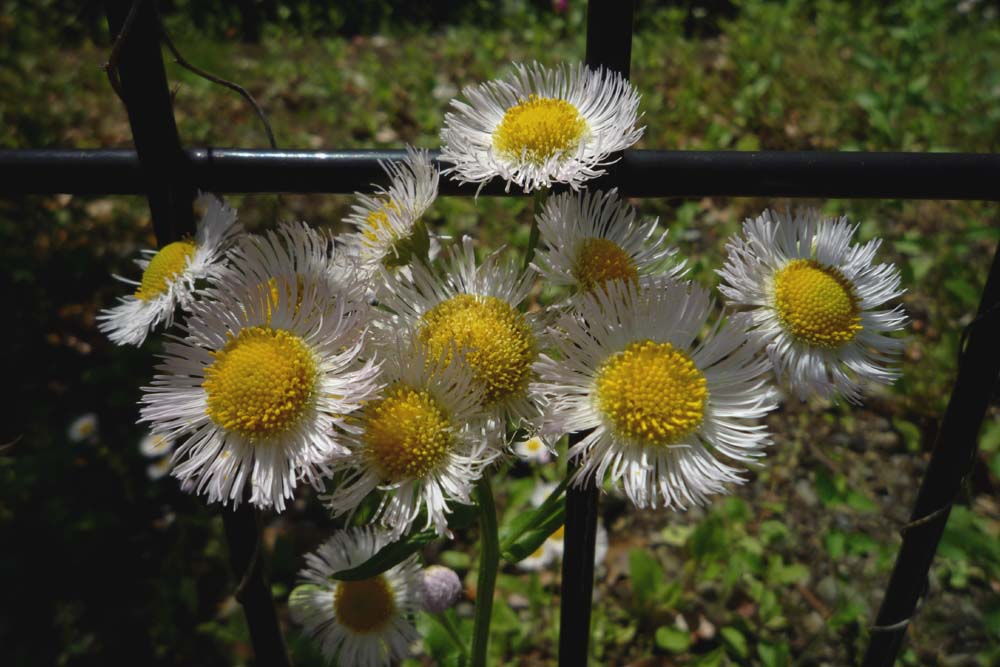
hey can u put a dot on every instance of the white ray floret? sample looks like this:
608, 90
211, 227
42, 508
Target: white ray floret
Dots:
169, 276
592, 237
668, 417
364, 623
271, 362
471, 316
419, 442
817, 302
539, 126
390, 229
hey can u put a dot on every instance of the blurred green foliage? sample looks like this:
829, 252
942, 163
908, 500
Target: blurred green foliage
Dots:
103, 565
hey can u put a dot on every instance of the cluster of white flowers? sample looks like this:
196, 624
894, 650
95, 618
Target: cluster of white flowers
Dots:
368, 361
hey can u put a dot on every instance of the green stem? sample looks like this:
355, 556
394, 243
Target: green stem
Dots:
536, 209
444, 621
489, 561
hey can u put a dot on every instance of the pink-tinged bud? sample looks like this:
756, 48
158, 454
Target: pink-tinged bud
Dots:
440, 588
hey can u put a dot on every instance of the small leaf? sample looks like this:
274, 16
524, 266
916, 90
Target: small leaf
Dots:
387, 557
773, 655
530, 540
735, 642
674, 640
646, 575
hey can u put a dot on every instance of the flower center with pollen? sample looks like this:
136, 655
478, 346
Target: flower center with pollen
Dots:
364, 606
260, 383
816, 304
407, 434
165, 264
652, 393
494, 336
599, 261
539, 128
377, 224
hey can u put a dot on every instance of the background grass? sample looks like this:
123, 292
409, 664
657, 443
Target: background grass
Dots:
100, 564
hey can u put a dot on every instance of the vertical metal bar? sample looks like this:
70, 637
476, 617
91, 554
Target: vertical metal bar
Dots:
609, 45
148, 103
952, 459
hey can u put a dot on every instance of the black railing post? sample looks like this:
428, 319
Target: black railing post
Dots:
609, 45
166, 177
952, 459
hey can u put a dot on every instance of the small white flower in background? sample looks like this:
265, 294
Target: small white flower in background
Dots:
158, 469
270, 363
440, 589
540, 126
154, 445
542, 557
364, 623
555, 543
472, 317
816, 301
664, 413
533, 449
390, 231
542, 491
590, 238
419, 442
169, 275
83, 428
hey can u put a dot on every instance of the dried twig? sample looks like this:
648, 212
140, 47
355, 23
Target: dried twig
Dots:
110, 66
180, 60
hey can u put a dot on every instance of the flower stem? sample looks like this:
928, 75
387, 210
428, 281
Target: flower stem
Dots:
538, 202
444, 620
489, 561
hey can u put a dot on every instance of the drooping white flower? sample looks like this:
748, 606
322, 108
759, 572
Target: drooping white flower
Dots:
540, 126
419, 442
270, 363
390, 231
471, 317
816, 301
592, 237
169, 275
364, 623
663, 414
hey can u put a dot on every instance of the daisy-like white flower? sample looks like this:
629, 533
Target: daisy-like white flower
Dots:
154, 445
471, 317
158, 469
169, 275
592, 237
82, 428
390, 232
269, 365
533, 449
364, 623
419, 441
816, 301
661, 412
540, 126
540, 559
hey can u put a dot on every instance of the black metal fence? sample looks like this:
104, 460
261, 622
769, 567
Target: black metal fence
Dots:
169, 175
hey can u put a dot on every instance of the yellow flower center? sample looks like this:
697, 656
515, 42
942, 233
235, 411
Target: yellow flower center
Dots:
652, 393
539, 128
816, 304
260, 383
599, 261
378, 221
495, 337
165, 264
407, 434
559, 533
364, 606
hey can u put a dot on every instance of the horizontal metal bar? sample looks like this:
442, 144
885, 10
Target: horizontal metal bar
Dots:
641, 173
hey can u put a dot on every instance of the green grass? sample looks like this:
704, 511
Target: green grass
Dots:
788, 571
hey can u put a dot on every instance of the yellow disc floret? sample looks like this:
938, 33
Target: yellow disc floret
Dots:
498, 343
260, 383
652, 393
377, 224
539, 128
407, 434
165, 264
816, 304
599, 261
364, 606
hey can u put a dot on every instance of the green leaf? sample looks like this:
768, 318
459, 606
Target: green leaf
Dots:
387, 557
735, 642
534, 521
530, 540
773, 655
961, 288
910, 433
674, 640
646, 575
